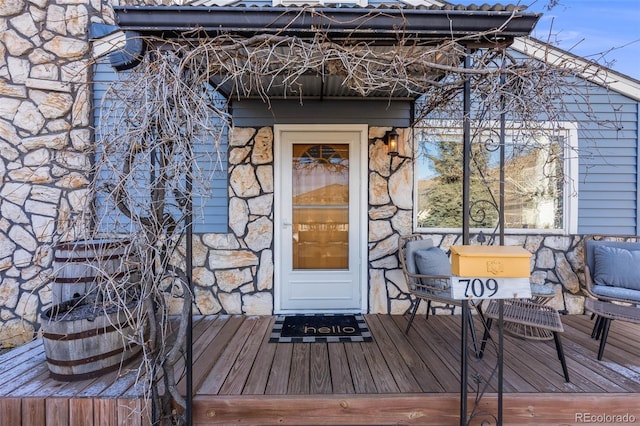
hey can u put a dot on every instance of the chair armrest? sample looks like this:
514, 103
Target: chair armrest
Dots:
428, 283
588, 282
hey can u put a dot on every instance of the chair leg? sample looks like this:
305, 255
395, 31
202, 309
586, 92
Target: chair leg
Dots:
480, 312
413, 315
606, 323
428, 309
474, 337
556, 338
597, 328
485, 337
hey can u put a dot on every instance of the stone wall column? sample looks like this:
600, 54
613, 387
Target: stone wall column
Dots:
390, 212
233, 272
45, 141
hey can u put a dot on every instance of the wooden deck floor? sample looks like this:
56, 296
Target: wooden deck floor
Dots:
240, 378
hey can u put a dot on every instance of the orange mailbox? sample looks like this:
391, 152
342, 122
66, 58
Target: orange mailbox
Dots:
490, 261
490, 272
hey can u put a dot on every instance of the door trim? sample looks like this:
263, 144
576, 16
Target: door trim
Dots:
363, 129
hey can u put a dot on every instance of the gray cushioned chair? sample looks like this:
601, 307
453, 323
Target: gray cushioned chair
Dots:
427, 271
612, 278
612, 267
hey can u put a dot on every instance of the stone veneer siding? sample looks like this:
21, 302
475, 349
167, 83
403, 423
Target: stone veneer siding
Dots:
45, 152
234, 272
45, 139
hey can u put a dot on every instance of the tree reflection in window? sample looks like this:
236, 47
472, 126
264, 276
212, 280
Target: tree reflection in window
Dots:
321, 154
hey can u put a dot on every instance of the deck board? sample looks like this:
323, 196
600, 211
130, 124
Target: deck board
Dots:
280, 370
224, 347
244, 359
320, 373
340, 371
441, 373
401, 373
422, 373
205, 331
380, 371
621, 346
361, 375
397, 378
299, 373
437, 349
259, 375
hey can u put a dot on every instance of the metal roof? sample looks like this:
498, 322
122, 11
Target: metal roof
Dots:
372, 4
380, 24
380, 27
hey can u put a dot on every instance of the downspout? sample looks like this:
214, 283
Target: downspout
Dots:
132, 53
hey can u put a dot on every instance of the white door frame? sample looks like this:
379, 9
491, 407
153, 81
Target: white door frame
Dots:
363, 129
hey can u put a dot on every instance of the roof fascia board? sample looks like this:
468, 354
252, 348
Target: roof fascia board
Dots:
354, 23
590, 71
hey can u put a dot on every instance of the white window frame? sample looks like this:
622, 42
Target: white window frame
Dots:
570, 193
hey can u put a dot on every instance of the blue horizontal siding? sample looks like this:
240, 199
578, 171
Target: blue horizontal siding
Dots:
604, 174
599, 196
601, 226
608, 152
595, 188
607, 182
608, 160
210, 197
594, 212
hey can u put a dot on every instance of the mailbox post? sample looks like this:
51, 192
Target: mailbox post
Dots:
487, 272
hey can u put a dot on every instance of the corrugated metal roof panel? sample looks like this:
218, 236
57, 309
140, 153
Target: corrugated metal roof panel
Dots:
333, 22
379, 28
374, 4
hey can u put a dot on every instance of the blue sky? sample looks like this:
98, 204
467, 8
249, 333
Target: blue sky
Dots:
606, 31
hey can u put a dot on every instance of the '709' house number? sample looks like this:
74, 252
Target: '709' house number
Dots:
470, 288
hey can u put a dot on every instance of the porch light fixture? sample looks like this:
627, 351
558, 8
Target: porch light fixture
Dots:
392, 140
392, 143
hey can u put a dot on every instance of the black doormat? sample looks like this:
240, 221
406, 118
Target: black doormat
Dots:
320, 329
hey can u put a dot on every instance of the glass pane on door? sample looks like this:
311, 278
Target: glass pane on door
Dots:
320, 191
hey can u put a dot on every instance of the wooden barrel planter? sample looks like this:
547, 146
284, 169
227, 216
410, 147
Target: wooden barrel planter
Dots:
80, 265
83, 340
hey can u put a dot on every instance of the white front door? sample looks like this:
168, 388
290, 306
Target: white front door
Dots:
319, 222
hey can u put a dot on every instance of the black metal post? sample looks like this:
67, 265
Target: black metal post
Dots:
466, 170
500, 357
189, 272
463, 365
502, 155
501, 225
466, 149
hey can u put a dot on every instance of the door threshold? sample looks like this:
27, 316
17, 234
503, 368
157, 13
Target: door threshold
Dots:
320, 312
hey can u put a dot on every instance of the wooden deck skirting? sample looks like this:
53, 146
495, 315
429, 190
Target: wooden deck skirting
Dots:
398, 379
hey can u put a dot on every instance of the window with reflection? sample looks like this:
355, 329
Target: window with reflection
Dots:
536, 188
320, 183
